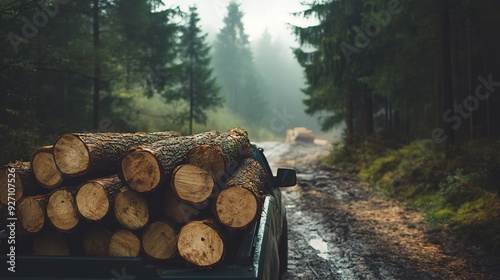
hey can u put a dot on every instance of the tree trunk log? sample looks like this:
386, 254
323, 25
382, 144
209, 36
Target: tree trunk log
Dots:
146, 167
77, 154
24, 182
178, 210
159, 240
192, 184
221, 156
131, 209
50, 243
61, 209
239, 203
201, 243
95, 197
45, 169
96, 241
31, 213
124, 243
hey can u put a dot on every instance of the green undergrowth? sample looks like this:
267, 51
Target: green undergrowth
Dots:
458, 192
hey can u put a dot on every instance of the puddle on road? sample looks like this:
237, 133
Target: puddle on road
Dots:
320, 245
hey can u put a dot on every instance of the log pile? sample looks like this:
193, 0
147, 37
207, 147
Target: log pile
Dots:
160, 196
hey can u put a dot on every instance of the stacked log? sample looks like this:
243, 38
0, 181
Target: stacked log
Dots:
160, 196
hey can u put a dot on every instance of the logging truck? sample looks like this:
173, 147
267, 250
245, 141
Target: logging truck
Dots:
257, 251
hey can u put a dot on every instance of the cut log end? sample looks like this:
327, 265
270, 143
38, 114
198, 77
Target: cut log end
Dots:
96, 241
45, 169
160, 241
192, 184
92, 201
31, 214
124, 243
141, 171
61, 210
200, 244
236, 207
131, 210
208, 157
50, 243
6, 189
71, 155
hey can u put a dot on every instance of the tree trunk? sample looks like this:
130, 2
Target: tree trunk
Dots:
50, 243
349, 119
201, 243
192, 184
95, 197
368, 114
31, 213
97, 63
145, 167
159, 241
96, 241
95, 154
239, 203
447, 72
131, 209
61, 209
45, 169
22, 182
221, 156
124, 243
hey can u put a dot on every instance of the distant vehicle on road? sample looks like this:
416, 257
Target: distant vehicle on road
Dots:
299, 134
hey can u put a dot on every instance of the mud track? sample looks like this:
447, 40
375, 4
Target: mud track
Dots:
340, 229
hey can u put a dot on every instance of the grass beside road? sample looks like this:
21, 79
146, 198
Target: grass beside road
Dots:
458, 193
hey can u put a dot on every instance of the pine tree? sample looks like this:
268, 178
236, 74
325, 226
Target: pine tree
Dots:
198, 86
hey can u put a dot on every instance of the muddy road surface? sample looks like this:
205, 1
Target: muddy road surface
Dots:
340, 229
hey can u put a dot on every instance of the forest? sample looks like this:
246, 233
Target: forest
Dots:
416, 84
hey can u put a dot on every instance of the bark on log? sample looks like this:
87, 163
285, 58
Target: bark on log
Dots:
45, 169
221, 156
31, 213
159, 240
96, 241
179, 211
61, 209
24, 182
192, 184
95, 197
77, 154
124, 243
239, 202
131, 209
50, 243
146, 167
201, 243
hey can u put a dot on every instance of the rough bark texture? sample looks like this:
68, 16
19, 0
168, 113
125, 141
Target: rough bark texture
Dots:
24, 182
50, 243
61, 209
220, 156
201, 243
178, 210
159, 240
192, 184
131, 209
146, 167
124, 243
77, 154
45, 169
238, 203
96, 240
31, 213
95, 197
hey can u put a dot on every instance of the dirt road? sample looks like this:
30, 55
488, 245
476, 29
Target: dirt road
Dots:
340, 229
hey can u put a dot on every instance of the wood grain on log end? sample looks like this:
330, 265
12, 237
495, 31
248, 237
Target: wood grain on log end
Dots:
6, 188
61, 210
159, 241
131, 209
141, 171
92, 201
45, 169
124, 243
208, 157
236, 207
192, 184
71, 155
96, 240
31, 213
200, 243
